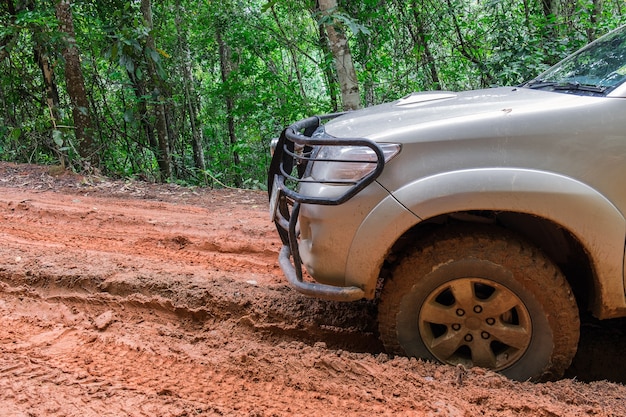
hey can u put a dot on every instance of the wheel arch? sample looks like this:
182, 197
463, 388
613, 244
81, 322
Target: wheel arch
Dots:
546, 208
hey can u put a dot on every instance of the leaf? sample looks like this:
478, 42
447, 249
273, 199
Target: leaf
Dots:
57, 137
154, 55
135, 44
129, 116
161, 71
7, 31
15, 134
355, 27
267, 6
130, 65
114, 51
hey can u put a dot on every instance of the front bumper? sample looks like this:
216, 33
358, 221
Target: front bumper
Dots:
290, 167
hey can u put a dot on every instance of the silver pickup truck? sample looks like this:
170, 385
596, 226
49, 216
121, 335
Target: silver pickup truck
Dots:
482, 221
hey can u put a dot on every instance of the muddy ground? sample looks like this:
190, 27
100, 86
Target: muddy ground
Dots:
125, 298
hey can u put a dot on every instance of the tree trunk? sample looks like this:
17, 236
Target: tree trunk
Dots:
52, 100
163, 152
596, 11
139, 88
76, 86
52, 93
191, 99
42, 60
226, 68
346, 74
548, 7
331, 78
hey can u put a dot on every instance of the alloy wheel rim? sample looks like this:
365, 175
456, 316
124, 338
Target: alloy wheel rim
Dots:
475, 322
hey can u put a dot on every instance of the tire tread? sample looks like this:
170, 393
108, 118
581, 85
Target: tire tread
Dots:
500, 247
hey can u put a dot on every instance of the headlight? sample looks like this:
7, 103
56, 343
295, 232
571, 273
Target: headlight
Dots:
273, 145
341, 164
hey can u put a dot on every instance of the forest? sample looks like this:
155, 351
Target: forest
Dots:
192, 91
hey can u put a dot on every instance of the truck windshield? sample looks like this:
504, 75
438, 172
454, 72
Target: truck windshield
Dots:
596, 69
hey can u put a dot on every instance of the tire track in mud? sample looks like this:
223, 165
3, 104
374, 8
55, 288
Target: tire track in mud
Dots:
58, 359
275, 311
201, 263
60, 363
47, 390
47, 373
150, 231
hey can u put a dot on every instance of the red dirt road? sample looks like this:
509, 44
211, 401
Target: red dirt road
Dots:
133, 299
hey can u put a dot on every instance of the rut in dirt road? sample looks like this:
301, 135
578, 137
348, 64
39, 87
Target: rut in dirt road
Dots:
133, 299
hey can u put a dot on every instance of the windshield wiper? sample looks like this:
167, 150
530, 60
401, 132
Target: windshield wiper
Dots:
538, 83
565, 86
579, 87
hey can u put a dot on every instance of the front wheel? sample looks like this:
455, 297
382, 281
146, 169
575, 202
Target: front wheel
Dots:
485, 299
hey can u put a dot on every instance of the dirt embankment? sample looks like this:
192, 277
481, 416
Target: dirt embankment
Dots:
124, 298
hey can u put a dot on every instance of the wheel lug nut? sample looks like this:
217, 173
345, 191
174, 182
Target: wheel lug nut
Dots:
468, 337
460, 312
478, 309
456, 326
491, 321
485, 335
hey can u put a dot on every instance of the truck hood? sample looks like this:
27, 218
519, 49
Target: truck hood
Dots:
396, 121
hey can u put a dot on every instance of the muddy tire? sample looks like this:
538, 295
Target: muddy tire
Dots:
481, 298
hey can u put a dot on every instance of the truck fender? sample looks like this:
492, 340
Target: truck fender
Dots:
577, 207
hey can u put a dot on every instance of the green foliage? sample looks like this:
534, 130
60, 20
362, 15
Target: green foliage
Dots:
277, 71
